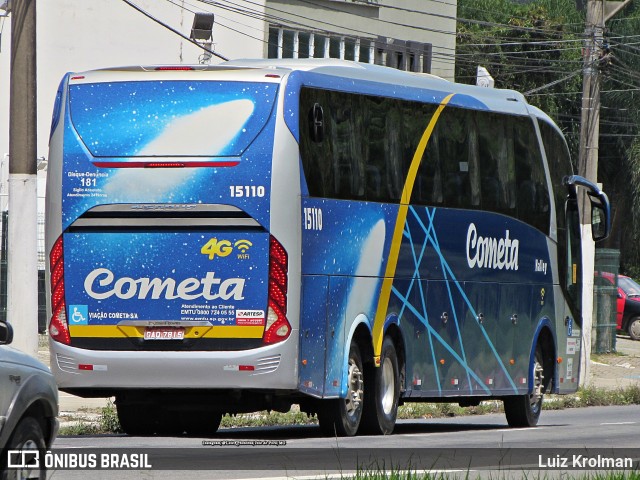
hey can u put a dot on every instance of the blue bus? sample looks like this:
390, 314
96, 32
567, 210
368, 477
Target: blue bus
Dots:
340, 236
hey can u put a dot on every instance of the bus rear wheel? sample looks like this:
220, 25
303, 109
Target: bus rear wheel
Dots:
137, 419
381, 401
524, 410
341, 417
200, 424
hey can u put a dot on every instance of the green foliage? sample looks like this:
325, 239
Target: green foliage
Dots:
109, 419
264, 419
532, 47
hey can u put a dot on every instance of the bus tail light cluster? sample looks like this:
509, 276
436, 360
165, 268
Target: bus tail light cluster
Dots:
58, 328
277, 326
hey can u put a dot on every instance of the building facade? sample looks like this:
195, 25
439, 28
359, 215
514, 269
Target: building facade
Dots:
413, 35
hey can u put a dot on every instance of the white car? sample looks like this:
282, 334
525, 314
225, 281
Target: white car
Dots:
28, 409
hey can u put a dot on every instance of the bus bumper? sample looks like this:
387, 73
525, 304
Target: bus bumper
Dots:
270, 367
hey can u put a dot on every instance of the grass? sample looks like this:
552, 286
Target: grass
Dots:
107, 419
397, 474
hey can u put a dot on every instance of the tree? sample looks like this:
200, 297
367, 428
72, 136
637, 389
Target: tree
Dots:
536, 47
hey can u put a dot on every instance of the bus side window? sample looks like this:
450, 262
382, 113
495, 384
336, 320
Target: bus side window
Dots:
316, 162
533, 196
428, 188
345, 147
454, 151
497, 164
473, 158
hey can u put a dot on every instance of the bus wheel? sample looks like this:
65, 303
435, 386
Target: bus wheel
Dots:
524, 410
341, 417
200, 424
137, 419
381, 401
633, 328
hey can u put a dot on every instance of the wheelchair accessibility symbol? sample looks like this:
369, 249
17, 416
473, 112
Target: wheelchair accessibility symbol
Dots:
79, 314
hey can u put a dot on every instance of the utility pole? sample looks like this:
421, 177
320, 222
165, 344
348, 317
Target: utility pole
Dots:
22, 275
598, 12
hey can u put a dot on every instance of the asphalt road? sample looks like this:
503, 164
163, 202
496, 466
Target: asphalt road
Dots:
454, 445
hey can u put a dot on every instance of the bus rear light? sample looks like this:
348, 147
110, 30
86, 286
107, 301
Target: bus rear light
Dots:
175, 68
277, 327
164, 165
215, 164
58, 327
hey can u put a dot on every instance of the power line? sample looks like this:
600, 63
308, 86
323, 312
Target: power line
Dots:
148, 15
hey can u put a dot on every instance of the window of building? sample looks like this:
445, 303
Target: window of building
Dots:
289, 43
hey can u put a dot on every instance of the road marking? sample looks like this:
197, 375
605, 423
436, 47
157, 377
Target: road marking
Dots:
619, 423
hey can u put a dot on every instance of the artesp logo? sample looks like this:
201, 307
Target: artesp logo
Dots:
223, 248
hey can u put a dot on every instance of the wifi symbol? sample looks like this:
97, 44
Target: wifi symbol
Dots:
243, 245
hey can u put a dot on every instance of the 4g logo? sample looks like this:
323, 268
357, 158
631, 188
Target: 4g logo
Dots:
223, 248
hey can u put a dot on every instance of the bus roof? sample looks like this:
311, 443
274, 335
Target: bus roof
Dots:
376, 73
274, 70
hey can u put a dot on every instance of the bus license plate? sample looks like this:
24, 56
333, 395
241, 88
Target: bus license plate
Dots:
163, 333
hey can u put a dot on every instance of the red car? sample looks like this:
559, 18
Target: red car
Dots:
628, 307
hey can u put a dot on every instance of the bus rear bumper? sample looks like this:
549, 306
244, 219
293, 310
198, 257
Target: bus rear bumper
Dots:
272, 367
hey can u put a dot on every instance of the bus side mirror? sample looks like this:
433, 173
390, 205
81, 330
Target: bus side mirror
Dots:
600, 207
599, 227
316, 123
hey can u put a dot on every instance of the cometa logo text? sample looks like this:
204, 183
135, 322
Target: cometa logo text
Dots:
490, 252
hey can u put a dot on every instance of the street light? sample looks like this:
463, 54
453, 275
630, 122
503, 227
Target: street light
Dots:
5, 8
202, 33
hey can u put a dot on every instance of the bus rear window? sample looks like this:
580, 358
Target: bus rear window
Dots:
170, 118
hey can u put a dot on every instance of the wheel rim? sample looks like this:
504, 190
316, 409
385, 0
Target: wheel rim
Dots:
25, 473
535, 399
634, 328
355, 389
387, 386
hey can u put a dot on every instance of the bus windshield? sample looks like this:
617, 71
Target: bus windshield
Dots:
169, 118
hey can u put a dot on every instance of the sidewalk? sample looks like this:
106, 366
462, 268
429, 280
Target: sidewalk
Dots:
610, 371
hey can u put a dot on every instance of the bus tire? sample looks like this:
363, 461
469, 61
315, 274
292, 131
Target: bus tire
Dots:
200, 424
524, 410
381, 401
341, 417
633, 328
137, 419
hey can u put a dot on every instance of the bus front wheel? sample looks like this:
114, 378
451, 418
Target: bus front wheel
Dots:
381, 401
524, 410
341, 417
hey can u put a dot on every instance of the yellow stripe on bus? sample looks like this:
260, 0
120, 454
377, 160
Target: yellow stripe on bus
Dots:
127, 331
396, 241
